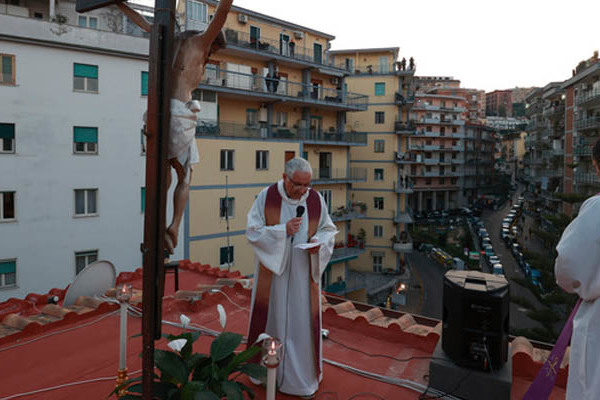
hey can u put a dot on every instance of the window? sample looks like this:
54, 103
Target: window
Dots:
227, 160
144, 83
7, 69
197, 11
305, 155
428, 154
442, 181
454, 130
8, 273
379, 146
378, 230
226, 256
254, 34
350, 64
318, 53
453, 169
84, 258
86, 21
379, 117
377, 263
328, 198
209, 96
262, 160
7, 138
379, 88
442, 131
7, 206
378, 203
453, 180
378, 174
226, 207
143, 197
384, 66
282, 118
428, 181
427, 168
428, 129
428, 142
85, 78
251, 117
85, 140
86, 202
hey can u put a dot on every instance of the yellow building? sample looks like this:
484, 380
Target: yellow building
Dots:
271, 95
387, 82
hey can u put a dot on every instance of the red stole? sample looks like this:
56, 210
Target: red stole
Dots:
260, 311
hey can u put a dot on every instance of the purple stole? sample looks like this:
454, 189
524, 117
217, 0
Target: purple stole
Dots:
544, 382
260, 311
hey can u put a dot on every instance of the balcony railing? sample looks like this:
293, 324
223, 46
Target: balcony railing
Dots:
324, 176
553, 110
400, 99
587, 123
588, 96
275, 46
405, 158
406, 128
218, 77
404, 217
347, 214
377, 69
431, 107
231, 129
583, 150
587, 178
405, 186
343, 254
404, 244
425, 120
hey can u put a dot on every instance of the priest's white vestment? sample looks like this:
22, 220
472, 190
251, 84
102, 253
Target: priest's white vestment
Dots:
577, 270
289, 308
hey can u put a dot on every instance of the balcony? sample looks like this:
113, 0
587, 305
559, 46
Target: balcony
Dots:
327, 176
587, 123
457, 122
405, 186
406, 158
242, 42
401, 100
405, 128
554, 111
377, 69
431, 107
208, 128
348, 213
587, 178
238, 84
403, 217
343, 254
583, 150
404, 244
588, 98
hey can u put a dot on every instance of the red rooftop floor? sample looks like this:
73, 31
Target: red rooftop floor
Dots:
75, 351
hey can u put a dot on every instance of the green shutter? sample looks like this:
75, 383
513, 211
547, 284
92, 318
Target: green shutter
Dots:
7, 131
143, 199
8, 267
86, 71
7, 67
223, 255
85, 135
380, 89
144, 83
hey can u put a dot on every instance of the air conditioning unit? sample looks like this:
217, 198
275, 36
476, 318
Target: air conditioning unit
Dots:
335, 81
242, 19
299, 35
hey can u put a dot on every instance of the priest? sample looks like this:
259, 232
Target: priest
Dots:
577, 270
286, 299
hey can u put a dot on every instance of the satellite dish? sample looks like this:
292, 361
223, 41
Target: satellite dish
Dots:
93, 280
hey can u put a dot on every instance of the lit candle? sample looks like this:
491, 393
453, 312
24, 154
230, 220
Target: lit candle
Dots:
123, 295
272, 354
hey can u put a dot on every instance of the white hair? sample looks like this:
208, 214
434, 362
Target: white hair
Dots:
297, 165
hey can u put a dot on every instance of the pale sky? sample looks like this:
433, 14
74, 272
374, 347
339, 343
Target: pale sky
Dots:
486, 44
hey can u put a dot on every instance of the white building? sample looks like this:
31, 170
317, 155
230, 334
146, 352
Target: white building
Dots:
73, 89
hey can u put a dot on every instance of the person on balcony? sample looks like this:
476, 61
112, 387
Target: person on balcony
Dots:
292, 46
286, 298
576, 270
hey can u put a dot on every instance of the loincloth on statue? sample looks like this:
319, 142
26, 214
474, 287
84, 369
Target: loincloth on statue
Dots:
182, 135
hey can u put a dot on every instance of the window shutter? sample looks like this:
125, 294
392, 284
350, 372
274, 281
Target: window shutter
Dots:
223, 255
86, 71
7, 131
380, 89
144, 83
85, 135
8, 267
7, 68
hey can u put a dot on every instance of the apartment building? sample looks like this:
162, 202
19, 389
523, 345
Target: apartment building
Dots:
73, 89
582, 128
499, 103
273, 94
388, 84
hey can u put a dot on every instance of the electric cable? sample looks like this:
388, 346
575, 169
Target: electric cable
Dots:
383, 355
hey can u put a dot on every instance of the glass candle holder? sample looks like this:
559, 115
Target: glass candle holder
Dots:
272, 352
123, 293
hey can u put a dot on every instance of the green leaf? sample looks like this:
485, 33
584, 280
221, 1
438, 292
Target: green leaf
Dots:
206, 396
191, 389
241, 358
130, 397
256, 371
172, 364
196, 360
224, 345
247, 390
232, 390
202, 372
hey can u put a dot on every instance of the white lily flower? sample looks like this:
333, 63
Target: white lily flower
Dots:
222, 315
262, 337
177, 344
185, 320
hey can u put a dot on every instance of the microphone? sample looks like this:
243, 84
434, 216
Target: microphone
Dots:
299, 213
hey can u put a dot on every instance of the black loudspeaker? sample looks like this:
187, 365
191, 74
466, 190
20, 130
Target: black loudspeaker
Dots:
475, 319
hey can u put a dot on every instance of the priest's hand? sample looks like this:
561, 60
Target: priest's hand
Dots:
314, 250
293, 226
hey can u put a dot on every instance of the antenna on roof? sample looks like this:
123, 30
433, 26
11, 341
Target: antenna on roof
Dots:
93, 280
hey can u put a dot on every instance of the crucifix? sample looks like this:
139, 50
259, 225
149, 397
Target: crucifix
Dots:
176, 67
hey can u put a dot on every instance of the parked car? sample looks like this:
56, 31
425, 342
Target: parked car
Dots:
515, 249
458, 264
504, 232
508, 241
486, 241
497, 269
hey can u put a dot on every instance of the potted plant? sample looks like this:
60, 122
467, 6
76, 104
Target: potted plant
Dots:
361, 238
188, 375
